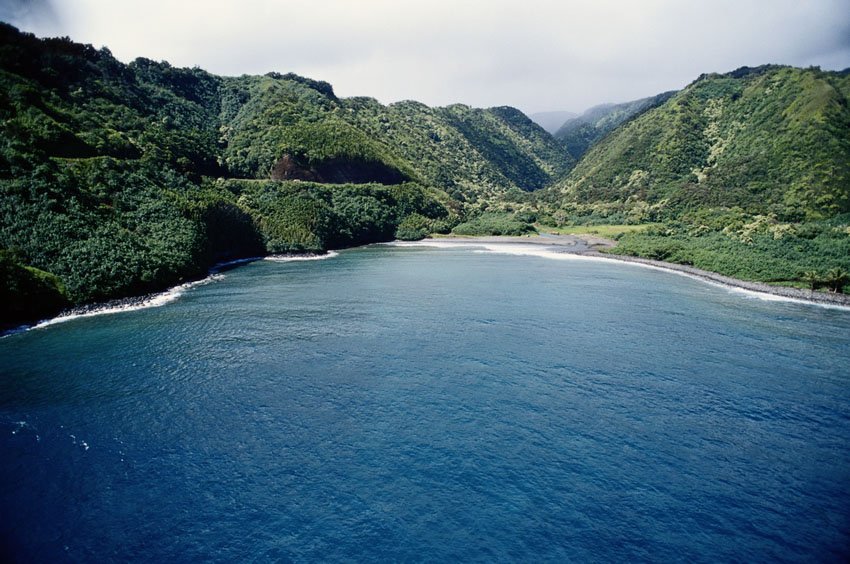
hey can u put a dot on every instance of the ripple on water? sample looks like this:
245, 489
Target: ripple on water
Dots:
396, 404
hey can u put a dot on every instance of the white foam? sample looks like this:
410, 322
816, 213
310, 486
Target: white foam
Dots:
19, 426
155, 300
300, 258
541, 251
166, 297
764, 296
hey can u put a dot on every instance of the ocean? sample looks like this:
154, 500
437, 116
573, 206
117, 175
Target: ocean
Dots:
431, 403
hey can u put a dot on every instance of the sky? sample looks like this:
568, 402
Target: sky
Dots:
537, 55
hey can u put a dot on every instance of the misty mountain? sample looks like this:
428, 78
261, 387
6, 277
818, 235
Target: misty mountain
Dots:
578, 134
551, 121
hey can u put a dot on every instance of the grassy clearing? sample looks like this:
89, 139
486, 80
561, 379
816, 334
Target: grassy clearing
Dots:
609, 231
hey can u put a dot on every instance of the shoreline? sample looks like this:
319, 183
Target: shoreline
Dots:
590, 246
154, 299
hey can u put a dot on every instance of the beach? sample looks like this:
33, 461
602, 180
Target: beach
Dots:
590, 246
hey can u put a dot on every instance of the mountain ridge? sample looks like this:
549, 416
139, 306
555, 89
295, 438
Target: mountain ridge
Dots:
581, 132
754, 137
122, 179
118, 180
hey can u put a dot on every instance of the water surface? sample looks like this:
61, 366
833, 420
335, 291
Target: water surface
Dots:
431, 404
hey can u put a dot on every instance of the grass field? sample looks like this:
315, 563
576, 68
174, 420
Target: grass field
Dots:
609, 231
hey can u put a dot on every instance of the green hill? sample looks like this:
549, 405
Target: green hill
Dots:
749, 173
473, 153
579, 133
769, 140
117, 180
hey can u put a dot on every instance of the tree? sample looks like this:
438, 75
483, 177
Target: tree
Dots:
812, 278
836, 279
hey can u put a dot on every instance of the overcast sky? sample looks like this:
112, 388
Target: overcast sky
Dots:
533, 54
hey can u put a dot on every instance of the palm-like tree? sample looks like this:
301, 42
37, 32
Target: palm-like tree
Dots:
836, 278
812, 278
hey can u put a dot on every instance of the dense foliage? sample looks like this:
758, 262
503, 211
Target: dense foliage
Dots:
475, 155
578, 134
496, 223
117, 180
749, 172
472, 153
769, 140
753, 248
312, 217
27, 293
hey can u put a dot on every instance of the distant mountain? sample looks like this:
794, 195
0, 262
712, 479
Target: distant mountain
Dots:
580, 133
768, 139
551, 121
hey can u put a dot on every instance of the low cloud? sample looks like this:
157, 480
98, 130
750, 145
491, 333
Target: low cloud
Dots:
535, 54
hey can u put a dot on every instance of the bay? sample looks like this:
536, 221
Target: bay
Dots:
416, 403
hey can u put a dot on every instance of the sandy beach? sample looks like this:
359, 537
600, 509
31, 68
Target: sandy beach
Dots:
590, 246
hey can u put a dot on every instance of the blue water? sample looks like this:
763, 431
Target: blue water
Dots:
431, 404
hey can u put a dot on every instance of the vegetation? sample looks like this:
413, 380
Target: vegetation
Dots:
609, 231
312, 217
493, 223
118, 180
478, 156
582, 132
809, 254
746, 174
472, 153
27, 293
768, 140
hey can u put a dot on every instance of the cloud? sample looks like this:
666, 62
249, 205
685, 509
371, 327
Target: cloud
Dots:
28, 12
534, 54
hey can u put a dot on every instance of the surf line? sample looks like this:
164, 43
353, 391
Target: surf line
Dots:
216, 272
541, 250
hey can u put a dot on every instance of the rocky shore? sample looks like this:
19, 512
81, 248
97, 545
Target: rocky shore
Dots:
793, 293
590, 246
116, 304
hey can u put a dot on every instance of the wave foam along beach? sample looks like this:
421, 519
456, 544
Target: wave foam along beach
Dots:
131, 304
301, 258
162, 298
541, 249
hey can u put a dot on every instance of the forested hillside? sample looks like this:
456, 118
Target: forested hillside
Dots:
748, 171
579, 133
117, 179
767, 139
469, 152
